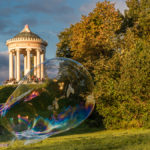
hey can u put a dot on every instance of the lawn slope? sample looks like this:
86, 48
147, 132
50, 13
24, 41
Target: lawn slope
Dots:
92, 139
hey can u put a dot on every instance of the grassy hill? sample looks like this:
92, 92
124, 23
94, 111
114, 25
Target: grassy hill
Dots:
5, 92
85, 138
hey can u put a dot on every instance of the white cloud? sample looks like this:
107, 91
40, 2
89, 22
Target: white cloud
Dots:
120, 4
4, 53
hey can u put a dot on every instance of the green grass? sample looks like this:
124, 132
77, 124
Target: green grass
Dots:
85, 138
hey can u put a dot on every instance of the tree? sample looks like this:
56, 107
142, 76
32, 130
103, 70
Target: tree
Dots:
116, 51
137, 17
63, 47
144, 19
122, 88
95, 34
134, 9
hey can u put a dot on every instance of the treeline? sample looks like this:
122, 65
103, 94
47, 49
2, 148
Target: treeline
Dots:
115, 48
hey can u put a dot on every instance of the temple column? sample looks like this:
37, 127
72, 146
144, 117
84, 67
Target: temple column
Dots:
25, 64
28, 60
35, 64
42, 65
15, 66
11, 66
18, 65
38, 64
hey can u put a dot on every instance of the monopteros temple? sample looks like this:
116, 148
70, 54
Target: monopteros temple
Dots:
30, 45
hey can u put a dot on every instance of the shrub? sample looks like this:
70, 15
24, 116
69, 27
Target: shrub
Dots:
122, 88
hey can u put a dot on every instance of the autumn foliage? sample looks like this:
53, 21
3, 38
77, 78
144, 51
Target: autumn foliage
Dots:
115, 48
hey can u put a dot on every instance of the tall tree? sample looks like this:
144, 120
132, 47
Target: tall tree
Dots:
144, 18
134, 9
95, 34
138, 17
63, 47
122, 87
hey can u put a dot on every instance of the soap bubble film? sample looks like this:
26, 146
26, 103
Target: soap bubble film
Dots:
59, 101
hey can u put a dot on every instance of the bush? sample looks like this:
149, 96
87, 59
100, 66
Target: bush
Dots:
5, 92
122, 88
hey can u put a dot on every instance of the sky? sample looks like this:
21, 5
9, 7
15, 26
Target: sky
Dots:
47, 18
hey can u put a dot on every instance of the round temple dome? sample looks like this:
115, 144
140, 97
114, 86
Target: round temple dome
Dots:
26, 34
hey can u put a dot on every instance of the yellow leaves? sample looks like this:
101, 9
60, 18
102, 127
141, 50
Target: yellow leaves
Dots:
91, 36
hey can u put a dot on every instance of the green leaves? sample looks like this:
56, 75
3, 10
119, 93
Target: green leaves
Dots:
93, 36
116, 51
138, 15
123, 86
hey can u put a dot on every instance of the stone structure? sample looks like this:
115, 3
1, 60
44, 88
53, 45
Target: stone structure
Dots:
29, 44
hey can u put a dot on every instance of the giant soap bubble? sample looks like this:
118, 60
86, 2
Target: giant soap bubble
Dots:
61, 100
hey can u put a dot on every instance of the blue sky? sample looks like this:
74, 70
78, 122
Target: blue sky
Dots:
44, 17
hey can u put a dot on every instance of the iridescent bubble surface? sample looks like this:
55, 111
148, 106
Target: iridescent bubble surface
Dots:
61, 100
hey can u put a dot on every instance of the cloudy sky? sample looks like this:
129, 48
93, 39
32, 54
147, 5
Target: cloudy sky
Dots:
44, 17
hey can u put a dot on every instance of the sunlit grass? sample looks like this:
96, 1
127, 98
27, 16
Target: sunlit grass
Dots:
91, 139
85, 138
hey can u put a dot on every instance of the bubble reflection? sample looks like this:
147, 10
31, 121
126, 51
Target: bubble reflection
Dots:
58, 102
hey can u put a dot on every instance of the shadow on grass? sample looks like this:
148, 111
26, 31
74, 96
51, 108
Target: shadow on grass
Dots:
81, 129
6, 136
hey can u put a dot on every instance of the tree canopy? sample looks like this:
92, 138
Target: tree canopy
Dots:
93, 36
115, 48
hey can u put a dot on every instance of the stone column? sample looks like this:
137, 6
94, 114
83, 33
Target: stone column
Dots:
18, 64
25, 64
11, 66
35, 64
42, 65
15, 66
38, 64
28, 60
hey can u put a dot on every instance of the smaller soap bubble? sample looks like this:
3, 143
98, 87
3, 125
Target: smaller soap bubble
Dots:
50, 101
